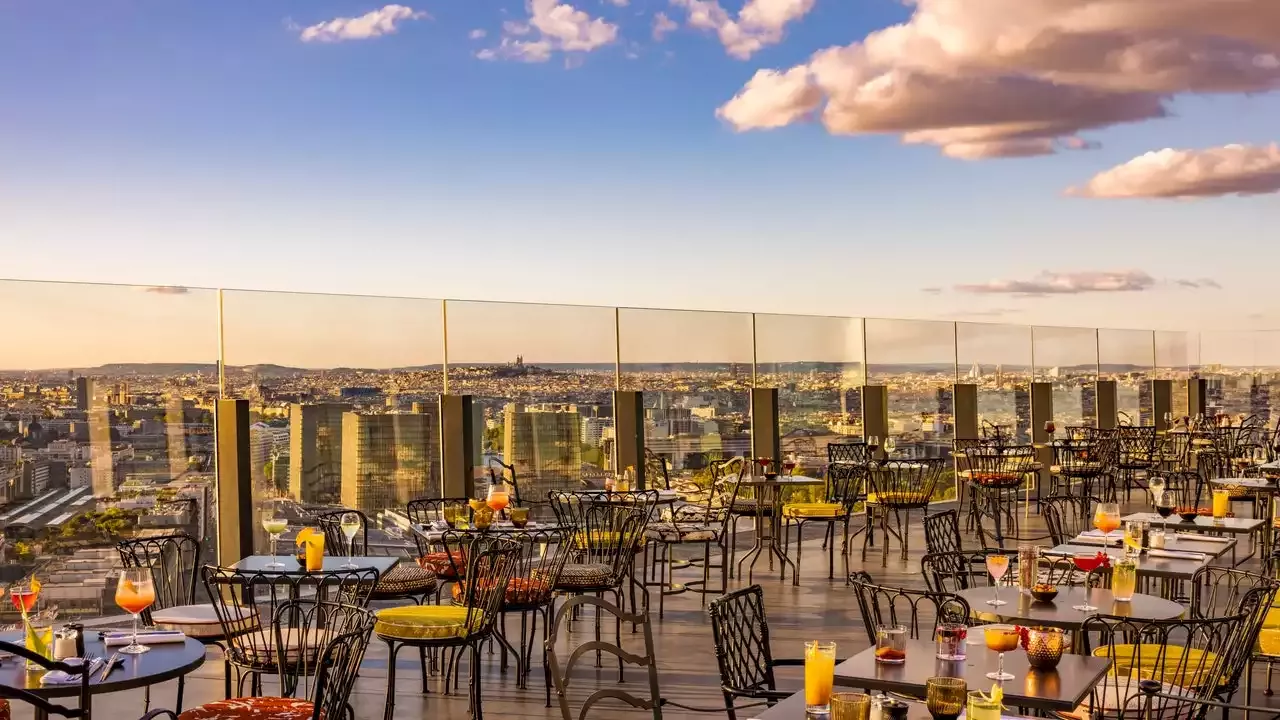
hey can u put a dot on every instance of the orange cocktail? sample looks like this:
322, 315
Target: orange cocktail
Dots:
498, 500
819, 675
135, 592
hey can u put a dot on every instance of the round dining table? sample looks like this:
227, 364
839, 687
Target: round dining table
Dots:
163, 662
1061, 613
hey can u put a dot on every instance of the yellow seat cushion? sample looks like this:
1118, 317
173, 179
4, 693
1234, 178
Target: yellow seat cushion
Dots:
425, 622
1188, 673
893, 497
601, 539
813, 510
1269, 642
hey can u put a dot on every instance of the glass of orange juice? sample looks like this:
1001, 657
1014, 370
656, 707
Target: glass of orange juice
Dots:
819, 676
1221, 503
135, 592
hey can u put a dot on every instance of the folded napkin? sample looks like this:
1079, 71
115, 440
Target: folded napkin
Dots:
58, 677
149, 637
1197, 537
1087, 539
439, 525
1176, 554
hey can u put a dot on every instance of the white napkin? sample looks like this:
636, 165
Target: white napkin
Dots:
1197, 537
1085, 538
1176, 554
58, 677
439, 525
144, 638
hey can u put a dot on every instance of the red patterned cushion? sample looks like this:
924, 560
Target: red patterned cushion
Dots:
438, 562
276, 708
4, 710
520, 591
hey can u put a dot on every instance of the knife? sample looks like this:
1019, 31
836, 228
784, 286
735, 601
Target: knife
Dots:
111, 664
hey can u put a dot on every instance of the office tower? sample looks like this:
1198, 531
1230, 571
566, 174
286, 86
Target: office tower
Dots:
101, 457
1022, 414
261, 443
84, 393
1146, 403
1260, 399
545, 446
1089, 403
315, 450
593, 430
388, 460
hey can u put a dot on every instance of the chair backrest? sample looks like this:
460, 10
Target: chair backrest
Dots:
1105, 441
655, 470
1137, 443
942, 532
535, 571
1204, 651
335, 542
1220, 591
855, 452
605, 531
1066, 516
740, 631
1175, 449
324, 666
907, 482
491, 562
174, 562
917, 610
561, 671
425, 511
953, 571
245, 603
1002, 465
21, 653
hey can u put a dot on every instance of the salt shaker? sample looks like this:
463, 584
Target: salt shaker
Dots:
68, 642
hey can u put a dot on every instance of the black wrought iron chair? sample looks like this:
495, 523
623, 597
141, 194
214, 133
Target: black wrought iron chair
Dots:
1137, 454
884, 605
995, 476
898, 487
1104, 449
1221, 591
174, 560
942, 532
1075, 462
405, 581
954, 571
1173, 452
1066, 516
39, 705
245, 599
457, 628
846, 484
706, 524
445, 562
740, 631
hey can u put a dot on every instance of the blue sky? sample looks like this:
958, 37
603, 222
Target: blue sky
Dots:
205, 144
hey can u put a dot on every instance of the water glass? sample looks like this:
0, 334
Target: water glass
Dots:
951, 637
945, 697
982, 707
891, 644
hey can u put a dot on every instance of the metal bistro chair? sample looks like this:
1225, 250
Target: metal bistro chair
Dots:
405, 581
1217, 591
1105, 450
845, 483
1066, 516
446, 563
462, 627
706, 524
38, 704
942, 532
899, 487
740, 631
995, 475
1137, 454
322, 687
1075, 461
175, 570
884, 605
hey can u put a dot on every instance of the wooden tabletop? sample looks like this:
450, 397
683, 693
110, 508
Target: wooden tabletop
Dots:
1148, 566
165, 661
1204, 523
793, 709
1060, 689
1023, 609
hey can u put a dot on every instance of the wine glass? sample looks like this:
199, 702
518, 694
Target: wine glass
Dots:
1087, 564
135, 592
1168, 421
890, 445
1164, 507
275, 527
1107, 518
997, 565
1156, 485
1050, 428
350, 526
873, 443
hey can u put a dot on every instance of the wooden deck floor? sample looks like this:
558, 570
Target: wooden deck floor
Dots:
818, 608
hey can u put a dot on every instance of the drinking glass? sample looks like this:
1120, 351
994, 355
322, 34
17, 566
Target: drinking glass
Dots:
945, 697
1107, 518
999, 673
499, 498
982, 707
1086, 564
1156, 486
275, 527
38, 637
519, 517
1124, 579
135, 593
950, 638
890, 445
1133, 537
819, 676
1050, 428
1028, 564
350, 526
891, 644
850, 706
997, 565
1221, 502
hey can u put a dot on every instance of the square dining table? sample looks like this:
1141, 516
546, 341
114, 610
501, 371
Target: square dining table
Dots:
332, 563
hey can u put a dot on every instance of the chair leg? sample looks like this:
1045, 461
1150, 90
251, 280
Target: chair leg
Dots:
728, 707
795, 576
390, 706
706, 571
477, 707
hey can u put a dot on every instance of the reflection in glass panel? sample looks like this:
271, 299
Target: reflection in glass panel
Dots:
344, 392
541, 379
1128, 358
998, 361
1228, 360
695, 371
816, 365
1068, 358
106, 431
1175, 356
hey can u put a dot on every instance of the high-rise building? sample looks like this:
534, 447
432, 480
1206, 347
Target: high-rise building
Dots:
1089, 403
315, 450
84, 393
388, 460
545, 446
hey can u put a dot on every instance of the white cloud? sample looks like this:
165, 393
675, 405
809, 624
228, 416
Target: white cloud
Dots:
553, 26
167, 290
478, 34
620, 3
1227, 170
1013, 78
759, 24
663, 25
370, 25
1050, 282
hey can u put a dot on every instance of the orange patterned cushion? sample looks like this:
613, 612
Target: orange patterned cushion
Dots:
4, 710
276, 708
438, 562
520, 591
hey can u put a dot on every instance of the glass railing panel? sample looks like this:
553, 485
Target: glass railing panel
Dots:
997, 358
1175, 355
694, 369
1128, 358
344, 395
1266, 388
106, 432
1068, 358
816, 363
541, 379
1228, 362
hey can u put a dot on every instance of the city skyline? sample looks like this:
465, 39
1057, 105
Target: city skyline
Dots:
1029, 161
